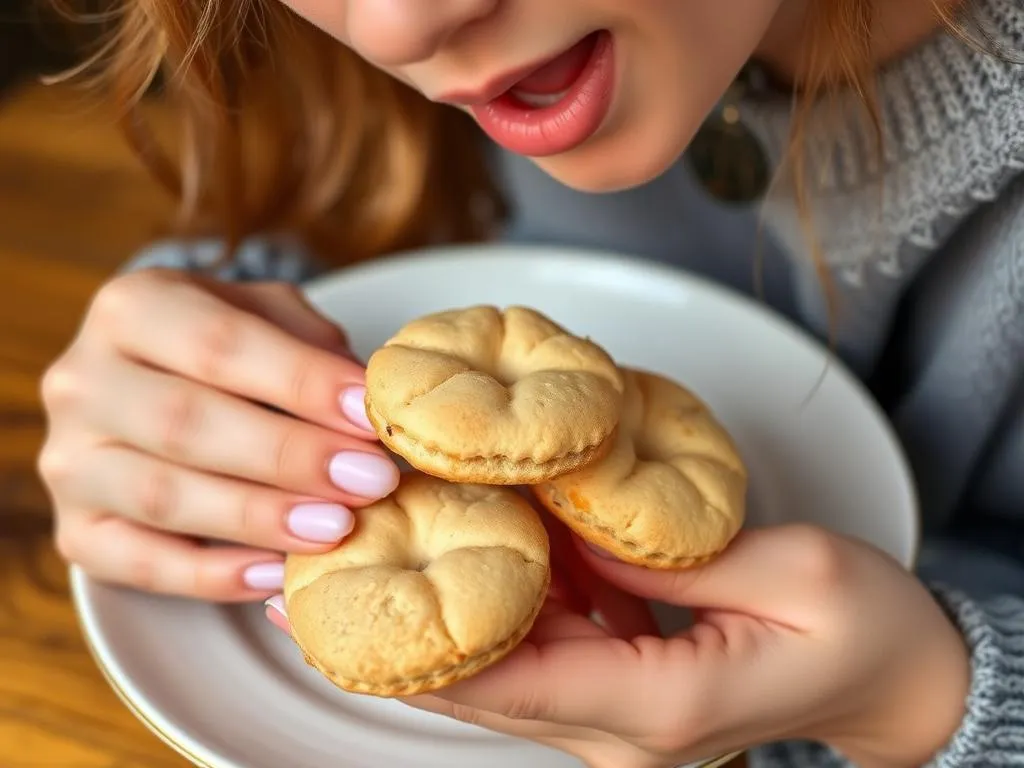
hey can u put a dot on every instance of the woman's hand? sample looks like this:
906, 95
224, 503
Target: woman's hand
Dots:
187, 411
798, 634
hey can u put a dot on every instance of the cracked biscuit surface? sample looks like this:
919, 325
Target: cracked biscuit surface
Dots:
671, 493
437, 582
482, 395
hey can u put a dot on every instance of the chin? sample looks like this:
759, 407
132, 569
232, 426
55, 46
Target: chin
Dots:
620, 159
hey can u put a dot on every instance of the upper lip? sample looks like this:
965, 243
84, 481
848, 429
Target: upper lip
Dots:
495, 86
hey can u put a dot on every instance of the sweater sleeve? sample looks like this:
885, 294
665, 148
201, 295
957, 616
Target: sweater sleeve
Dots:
992, 732
254, 260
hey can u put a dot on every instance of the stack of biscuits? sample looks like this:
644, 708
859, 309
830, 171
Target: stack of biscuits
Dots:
447, 575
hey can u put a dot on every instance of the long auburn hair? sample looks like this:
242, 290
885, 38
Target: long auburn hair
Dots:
281, 128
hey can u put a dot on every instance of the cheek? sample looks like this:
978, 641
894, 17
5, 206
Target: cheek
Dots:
677, 58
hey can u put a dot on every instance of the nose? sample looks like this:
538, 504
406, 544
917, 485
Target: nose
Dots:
395, 33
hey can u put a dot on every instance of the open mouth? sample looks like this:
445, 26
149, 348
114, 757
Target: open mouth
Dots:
557, 105
550, 83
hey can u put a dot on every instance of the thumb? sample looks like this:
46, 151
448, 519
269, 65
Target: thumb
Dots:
771, 573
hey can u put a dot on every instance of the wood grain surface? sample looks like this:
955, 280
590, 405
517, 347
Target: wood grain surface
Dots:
73, 205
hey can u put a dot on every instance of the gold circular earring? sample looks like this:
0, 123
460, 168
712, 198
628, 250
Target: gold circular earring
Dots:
725, 156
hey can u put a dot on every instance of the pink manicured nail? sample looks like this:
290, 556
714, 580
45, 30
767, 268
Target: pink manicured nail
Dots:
366, 475
277, 603
322, 523
264, 576
353, 405
277, 614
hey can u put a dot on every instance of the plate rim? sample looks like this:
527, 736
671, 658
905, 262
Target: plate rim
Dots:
168, 733
466, 253
136, 703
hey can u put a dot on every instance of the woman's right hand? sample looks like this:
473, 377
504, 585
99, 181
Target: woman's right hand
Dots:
199, 430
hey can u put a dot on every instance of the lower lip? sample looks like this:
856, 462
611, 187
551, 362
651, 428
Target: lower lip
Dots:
559, 127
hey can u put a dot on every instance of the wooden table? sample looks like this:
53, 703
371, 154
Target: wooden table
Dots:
73, 205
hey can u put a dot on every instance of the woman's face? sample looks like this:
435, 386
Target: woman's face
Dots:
602, 94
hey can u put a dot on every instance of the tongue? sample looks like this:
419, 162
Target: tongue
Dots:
559, 73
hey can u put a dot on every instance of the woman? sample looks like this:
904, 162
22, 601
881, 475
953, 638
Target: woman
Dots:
896, 230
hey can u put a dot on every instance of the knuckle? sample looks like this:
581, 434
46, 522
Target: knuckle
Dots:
819, 555
302, 387
116, 300
465, 714
60, 385
178, 419
528, 706
287, 454
155, 502
219, 334
54, 466
679, 728
678, 665
203, 580
670, 739
251, 512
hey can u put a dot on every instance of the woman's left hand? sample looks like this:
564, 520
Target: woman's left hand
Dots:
798, 634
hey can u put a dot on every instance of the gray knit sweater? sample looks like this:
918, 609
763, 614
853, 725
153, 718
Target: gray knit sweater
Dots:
932, 315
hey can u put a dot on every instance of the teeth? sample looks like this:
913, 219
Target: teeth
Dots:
539, 99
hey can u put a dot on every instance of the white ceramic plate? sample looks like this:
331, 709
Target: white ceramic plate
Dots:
228, 691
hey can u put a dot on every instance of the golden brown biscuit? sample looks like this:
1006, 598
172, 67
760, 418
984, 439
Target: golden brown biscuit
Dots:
437, 582
671, 493
484, 396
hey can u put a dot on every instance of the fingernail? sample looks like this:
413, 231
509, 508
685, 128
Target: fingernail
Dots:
353, 405
366, 475
264, 576
322, 523
277, 603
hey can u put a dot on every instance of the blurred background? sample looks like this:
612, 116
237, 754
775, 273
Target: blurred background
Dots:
73, 205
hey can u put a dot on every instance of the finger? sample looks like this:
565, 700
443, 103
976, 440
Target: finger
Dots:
164, 495
779, 574
277, 614
593, 671
287, 307
173, 323
118, 551
206, 429
525, 710
534, 730
585, 682
594, 748
555, 622
621, 613
564, 590
566, 567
